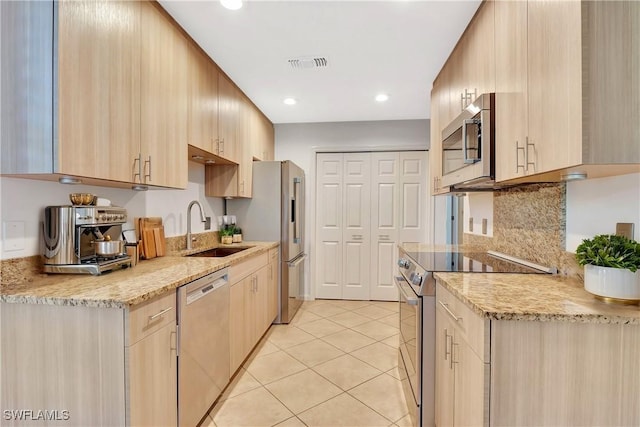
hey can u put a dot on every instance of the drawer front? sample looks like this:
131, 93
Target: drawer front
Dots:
473, 328
151, 316
241, 270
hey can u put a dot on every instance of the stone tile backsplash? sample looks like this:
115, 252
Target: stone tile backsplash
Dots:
529, 222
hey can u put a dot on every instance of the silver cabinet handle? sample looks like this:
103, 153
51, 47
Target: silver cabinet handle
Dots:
221, 146
518, 165
155, 316
447, 352
217, 140
446, 308
139, 174
452, 360
147, 162
526, 155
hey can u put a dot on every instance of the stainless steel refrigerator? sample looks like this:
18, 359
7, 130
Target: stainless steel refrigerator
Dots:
276, 212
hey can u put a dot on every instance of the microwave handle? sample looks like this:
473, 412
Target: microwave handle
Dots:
466, 122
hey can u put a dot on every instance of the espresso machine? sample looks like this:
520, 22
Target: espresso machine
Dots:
84, 239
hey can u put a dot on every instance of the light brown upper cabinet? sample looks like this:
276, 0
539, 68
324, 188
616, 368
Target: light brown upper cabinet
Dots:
86, 121
228, 119
568, 85
262, 138
164, 95
98, 88
203, 101
439, 107
115, 113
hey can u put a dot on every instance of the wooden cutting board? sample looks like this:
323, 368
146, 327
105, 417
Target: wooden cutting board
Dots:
149, 243
158, 237
150, 231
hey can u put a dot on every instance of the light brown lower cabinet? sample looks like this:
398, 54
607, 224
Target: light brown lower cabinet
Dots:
95, 366
533, 373
250, 311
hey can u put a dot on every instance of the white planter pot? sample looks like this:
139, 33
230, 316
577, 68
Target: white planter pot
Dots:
615, 283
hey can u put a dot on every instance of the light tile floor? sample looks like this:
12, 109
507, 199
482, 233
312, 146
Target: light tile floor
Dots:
334, 365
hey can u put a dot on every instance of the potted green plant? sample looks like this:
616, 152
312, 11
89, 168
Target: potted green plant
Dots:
611, 267
226, 235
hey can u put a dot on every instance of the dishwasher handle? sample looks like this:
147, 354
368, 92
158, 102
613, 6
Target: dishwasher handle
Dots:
205, 289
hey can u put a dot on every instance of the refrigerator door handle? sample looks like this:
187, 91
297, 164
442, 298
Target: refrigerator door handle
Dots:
294, 211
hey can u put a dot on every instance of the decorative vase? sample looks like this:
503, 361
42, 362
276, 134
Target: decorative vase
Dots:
612, 284
226, 240
237, 238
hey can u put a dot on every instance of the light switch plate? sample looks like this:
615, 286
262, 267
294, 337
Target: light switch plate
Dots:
484, 225
625, 229
13, 236
207, 223
470, 224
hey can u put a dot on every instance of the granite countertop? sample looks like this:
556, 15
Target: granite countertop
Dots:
123, 288
538, 297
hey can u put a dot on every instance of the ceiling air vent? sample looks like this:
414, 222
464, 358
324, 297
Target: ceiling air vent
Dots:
308, 62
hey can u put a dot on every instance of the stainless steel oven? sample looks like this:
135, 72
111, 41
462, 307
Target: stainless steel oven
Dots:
416, 355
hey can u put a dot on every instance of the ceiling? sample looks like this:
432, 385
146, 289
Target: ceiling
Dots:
396, 47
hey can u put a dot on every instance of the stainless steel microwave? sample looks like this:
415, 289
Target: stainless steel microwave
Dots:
468, 147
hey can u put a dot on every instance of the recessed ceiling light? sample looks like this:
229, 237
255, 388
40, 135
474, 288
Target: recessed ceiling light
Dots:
231, 4
382, 97
290, 101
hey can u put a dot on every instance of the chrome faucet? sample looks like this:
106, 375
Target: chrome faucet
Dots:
203, 218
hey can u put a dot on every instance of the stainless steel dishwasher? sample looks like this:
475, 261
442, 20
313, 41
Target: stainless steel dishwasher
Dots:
203, 345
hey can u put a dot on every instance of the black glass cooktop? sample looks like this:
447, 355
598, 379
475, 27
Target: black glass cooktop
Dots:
467, 262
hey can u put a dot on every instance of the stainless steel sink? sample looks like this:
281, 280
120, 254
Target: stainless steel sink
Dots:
219, 252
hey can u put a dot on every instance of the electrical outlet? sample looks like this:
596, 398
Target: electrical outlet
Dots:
207, 223
470, 224
484, 225
625, 229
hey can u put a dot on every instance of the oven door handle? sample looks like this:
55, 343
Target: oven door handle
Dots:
401, 283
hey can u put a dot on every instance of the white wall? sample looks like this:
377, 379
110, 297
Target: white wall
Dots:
478, 206
299, 143
23, 201
595, 205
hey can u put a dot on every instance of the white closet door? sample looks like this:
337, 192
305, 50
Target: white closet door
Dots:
385, 189
329, 212
357, 223
414, 197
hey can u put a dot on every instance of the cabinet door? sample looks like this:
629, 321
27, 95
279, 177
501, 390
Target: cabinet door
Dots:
261, 299
469, 384
203, 100
511, 88
245, 149
478, 56
237, 325
435, 148
555, 85
98, 88
153, 377
444, 369
164, 100
228, 118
